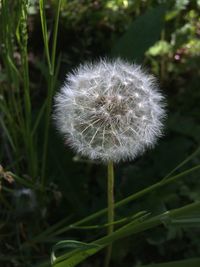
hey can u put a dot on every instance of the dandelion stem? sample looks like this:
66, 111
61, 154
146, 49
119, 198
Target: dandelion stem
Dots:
110, 195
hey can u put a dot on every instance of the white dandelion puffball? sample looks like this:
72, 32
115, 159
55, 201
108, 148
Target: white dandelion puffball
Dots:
109, 110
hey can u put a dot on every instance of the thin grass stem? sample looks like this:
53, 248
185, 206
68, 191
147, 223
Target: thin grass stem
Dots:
129, 199
52, 77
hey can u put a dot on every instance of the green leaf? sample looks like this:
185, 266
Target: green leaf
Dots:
7, 134
57, 229
182, 263
159, 48
84, 250
187, 221
136, 216
70, 259
140, 35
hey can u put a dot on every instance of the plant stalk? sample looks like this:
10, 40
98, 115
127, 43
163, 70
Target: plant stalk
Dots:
51, 84
110, 199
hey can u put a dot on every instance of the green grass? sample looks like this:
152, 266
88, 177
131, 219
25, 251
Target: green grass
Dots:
28, 237
19, 124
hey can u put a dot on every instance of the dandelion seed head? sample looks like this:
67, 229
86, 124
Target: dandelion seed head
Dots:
110, 110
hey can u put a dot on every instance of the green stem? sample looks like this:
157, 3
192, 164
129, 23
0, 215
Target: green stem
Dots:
51, 84
45, 31
22, 37
125, 231
118, 204
110, 196
161, 219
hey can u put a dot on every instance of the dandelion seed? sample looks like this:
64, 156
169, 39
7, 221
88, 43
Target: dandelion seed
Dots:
110, 110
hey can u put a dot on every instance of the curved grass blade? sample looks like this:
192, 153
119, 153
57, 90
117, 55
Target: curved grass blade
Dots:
120, 221
117, 205
77, 256
72, 257
131, 198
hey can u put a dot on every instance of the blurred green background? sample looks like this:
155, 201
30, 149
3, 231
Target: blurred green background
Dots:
163, 36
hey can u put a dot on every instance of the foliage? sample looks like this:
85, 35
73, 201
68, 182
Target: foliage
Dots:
44, 188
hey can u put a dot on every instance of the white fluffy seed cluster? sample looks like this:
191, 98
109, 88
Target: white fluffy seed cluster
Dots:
109, 110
